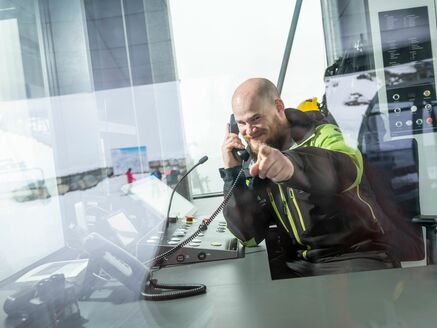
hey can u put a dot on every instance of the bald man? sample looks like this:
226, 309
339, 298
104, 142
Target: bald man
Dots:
304, 178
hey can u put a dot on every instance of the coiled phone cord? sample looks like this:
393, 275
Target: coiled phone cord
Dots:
153, 290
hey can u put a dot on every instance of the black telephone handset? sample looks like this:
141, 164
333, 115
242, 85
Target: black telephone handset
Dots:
117, 262
126, 268
242, 154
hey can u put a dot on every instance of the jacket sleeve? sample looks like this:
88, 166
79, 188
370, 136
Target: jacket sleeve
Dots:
327, 165
246, 212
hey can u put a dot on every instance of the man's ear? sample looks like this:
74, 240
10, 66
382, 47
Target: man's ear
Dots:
279, 105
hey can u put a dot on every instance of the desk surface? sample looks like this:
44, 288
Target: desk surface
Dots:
241, 294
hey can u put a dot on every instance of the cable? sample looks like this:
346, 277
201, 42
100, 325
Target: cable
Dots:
204, 225
161, 292
157, 292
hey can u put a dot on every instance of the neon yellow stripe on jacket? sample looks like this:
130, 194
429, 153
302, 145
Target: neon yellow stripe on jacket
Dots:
329, 137
249, 243
302, 223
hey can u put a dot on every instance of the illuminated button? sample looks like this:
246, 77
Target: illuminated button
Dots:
154, 237
179, 234
175, 239
396, 96
419, 121
216, 243
194, 244
201, 256
427, 93
429, 120
398, 124
172, 242
203, 224
201, 234
409, 123
180, 258
397, 110
197, 241
152, 241
413, 109
428, 106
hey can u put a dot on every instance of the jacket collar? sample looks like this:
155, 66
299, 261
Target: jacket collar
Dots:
302, 125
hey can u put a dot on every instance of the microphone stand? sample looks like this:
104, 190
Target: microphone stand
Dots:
201, 161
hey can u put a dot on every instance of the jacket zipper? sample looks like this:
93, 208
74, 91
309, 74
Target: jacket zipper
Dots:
275, 208
371, 210
290, 217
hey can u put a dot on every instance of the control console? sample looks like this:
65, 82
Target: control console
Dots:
412, 109
213, 244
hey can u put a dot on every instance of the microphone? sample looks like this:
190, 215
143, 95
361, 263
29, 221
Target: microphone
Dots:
201, 161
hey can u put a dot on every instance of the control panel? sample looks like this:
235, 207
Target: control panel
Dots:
412, 109
402, 35
213, 244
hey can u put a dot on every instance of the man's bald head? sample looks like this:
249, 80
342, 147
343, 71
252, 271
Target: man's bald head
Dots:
259, 113
255, 89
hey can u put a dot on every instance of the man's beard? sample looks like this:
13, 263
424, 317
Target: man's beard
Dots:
275, 140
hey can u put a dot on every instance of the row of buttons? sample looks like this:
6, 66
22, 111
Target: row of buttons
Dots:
181, 232
196, 242
426, 93
413, 108
419, 122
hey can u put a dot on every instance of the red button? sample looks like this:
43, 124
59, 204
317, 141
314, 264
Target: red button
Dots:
429, 120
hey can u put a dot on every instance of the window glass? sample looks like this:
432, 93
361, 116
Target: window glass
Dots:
27, 160
214, 59
380, 92
78, 109
21, 60
305, 81
106, 105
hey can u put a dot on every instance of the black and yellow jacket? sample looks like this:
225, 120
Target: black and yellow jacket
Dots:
326, 207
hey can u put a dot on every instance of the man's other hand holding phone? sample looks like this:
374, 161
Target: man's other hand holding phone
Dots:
232, 141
